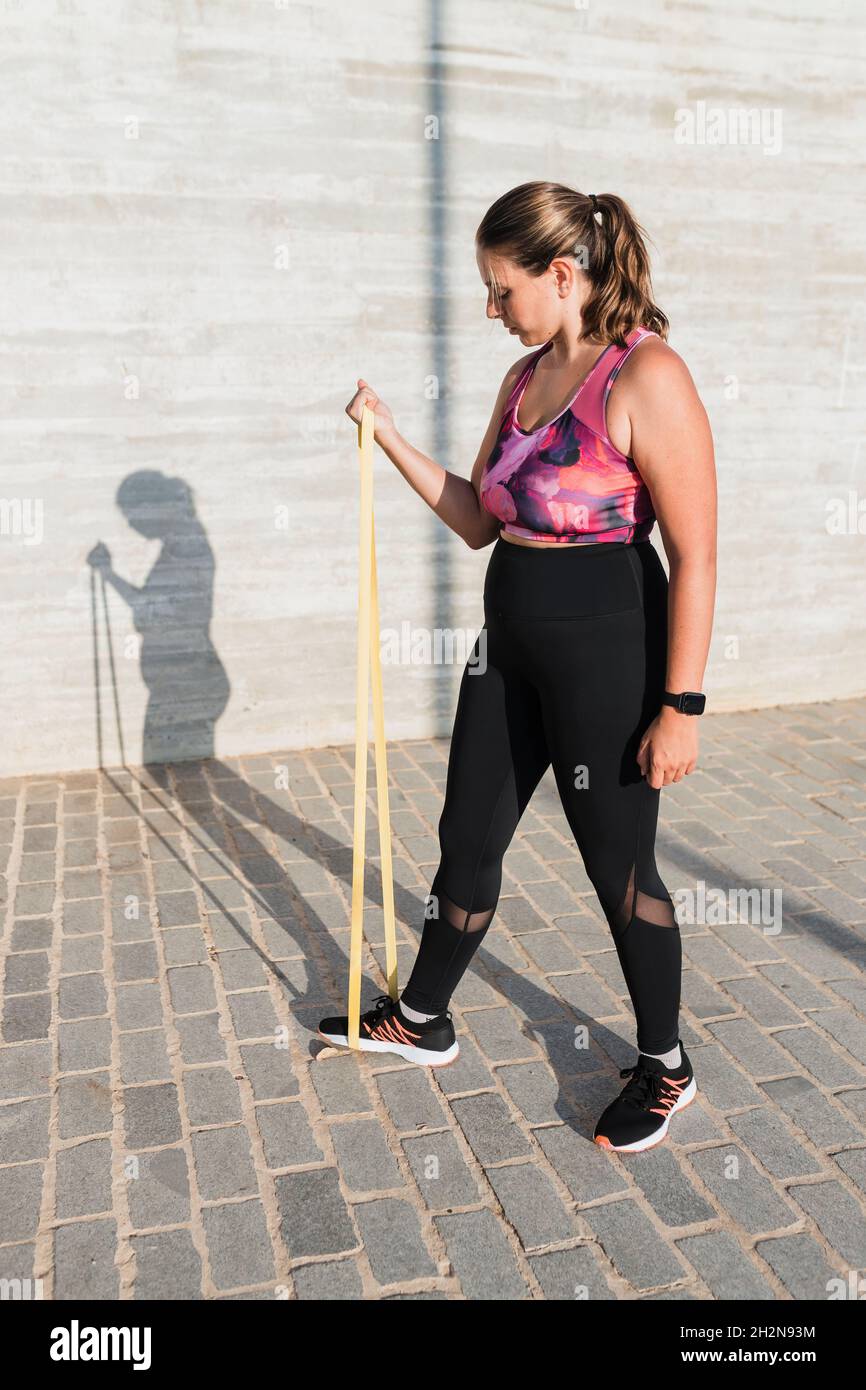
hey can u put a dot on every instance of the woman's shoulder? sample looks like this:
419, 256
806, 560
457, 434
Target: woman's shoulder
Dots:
653, 366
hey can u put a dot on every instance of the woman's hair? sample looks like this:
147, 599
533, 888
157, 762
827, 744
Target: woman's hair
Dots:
150, 488
535, 222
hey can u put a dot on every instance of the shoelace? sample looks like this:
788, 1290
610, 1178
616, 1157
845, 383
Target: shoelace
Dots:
380, 1004
644, 1086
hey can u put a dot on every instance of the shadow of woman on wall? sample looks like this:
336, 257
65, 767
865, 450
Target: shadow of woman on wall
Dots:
188, 684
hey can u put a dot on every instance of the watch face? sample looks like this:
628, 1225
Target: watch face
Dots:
693, 704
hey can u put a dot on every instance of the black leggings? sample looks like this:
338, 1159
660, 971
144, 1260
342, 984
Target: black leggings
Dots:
568, 669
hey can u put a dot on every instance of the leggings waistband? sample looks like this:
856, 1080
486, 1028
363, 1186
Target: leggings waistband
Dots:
572, 581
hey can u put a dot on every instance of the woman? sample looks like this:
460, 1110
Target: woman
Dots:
590, 648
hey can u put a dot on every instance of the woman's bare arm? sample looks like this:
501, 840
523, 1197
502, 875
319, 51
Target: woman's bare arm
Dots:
455, 500
672, 446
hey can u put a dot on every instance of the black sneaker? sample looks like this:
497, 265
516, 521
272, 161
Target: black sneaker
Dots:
640, 1115
385, 1028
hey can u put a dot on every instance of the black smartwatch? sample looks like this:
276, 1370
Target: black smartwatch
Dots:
689, 702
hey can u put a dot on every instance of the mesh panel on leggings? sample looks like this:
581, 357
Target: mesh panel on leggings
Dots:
460, 918
638, 904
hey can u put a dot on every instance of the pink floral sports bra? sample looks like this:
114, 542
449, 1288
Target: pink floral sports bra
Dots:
565, 481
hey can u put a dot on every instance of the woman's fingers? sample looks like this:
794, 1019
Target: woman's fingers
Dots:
365, 395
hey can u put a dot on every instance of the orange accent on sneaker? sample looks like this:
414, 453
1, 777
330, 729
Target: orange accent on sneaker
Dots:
603, 1142
405, 1035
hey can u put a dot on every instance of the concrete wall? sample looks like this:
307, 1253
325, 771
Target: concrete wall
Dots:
217, 216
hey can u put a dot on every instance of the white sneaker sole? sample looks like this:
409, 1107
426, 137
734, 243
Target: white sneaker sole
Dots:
420, 1055
686, 1098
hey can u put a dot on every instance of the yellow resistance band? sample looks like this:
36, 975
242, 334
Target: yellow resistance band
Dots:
368, 656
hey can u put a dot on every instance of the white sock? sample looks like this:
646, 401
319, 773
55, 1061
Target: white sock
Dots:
414, 1015
672, 1059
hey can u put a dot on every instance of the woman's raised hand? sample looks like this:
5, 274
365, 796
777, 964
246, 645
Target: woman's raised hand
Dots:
365, 395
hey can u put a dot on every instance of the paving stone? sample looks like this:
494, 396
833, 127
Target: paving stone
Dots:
191, 988
587, 996
223, 1162
701, 999
26, 973
32, 935
167, 1265
409, 1099
270, 1071
151, 1116
848, 1031
212, 1096
19, 1262
144, 1056
314, 1216
532, 1205
499, 1034
819, 1057
392, 1240
725, 1087
549, 950
135, 962
158, 1188
489, 1129
853, 1164
139, 1006
712, 957
85, 1044
725, 1269
85, 1105
339, 1087
84, 1265
84, 1179
239, 1247
666, 1187
286, 1135
34, 899
837, 1215
441, 1172
767, 1136
534, 1091
253, 1014
242, 969
745, 1193
363, 1157
817, 1117
764, 1006
571, 1274
26, 1017
799, 1262
200, 1039
25, 1070
587, 1171
481, 1257
328, 1281
82, 955
633, 1245
20, 1199
24, 1131
177, 909
758, 1054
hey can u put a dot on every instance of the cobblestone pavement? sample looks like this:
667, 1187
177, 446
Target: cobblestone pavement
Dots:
171, 938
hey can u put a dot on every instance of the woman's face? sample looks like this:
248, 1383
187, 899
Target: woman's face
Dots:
531, 307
